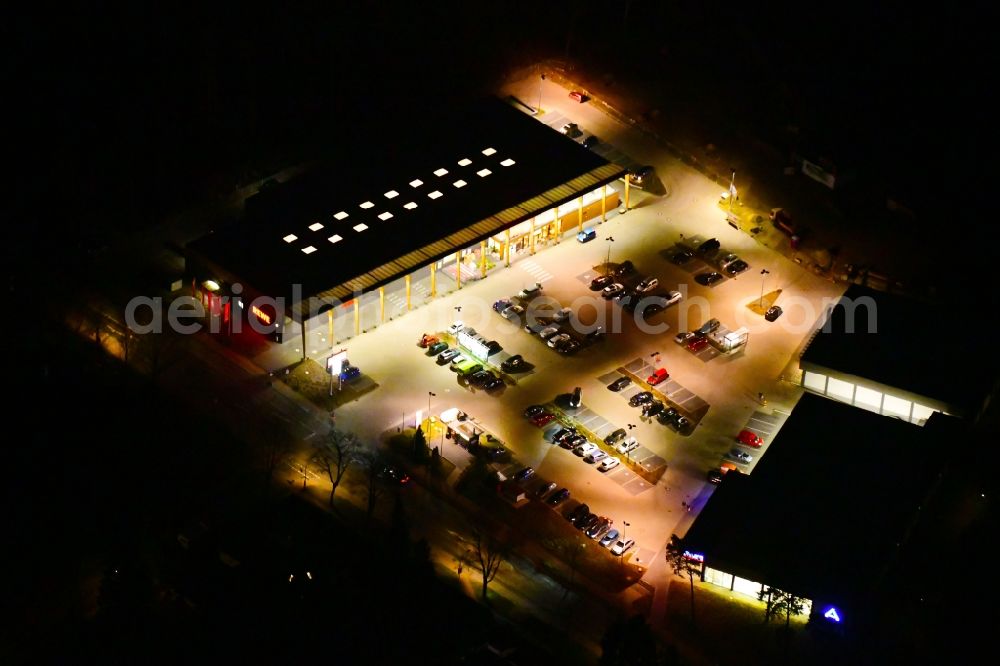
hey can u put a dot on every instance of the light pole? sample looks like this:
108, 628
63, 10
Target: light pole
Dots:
628, 454
621, 558
538, 109
607, 264
656, 358
732, 191
763, 273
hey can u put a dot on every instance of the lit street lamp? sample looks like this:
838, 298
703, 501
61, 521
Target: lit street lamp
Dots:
538, 109
621, 558
763, 273
610, 239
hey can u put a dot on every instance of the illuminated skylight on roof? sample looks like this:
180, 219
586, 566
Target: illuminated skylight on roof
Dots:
410, 206
434, 195
482, 173
339, 216
459, 183
391, 194
360, 227
290, 238
416, 182
315, 226
336, 238
367, 204
507, 162
489, 151
465, 161
440, 172
384, 216
309, 250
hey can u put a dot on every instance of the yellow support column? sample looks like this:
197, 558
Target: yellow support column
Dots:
381, 305
506, 251
531, 237
482, 257
580, 213
604, 204
558, 224
434, 290
407, 293
626, 194
357, 314
329, 325
458, 269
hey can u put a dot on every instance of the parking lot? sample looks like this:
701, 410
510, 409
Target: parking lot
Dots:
717, 392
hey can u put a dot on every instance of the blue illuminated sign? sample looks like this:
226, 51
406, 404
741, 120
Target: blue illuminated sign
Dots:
697, 557
832, 614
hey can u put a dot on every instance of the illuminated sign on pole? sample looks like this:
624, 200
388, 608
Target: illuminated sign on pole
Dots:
832, 614
335, 362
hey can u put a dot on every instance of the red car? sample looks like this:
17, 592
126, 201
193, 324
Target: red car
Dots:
658, 376
751, 439
697, 343
543, 418
578, 96
426, 340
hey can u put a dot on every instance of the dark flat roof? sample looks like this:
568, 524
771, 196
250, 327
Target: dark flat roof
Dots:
824, 510
911, 349
437, 180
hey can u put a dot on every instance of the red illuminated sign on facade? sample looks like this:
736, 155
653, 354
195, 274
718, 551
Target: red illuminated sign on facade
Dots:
263, 316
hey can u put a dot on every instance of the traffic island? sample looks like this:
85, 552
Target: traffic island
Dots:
759, 306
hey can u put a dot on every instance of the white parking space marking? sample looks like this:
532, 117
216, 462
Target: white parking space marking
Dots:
535, 270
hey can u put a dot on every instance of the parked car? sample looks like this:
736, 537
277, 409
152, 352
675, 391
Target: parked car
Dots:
697, 343
585, 449
532, 411
647, 284
667, 416
622, 546
584, 524
659, 375
640, 176
598, 528
615, 437
773, 313
349, 371
595, 456
426, 340
600, 282
652, 409
513, 364
565, 433
437, 348
683, 337
673, 297
591, 141
577, 512
624, 268
544, 489
714, 476
586, 235
456, 327
709, 246
641, 398
493, 384
530, 292
573, 441
543, 418
557, 340
741, 456
627, 446
572, 130
558, 497
524, 473
682, 257
709, 326
750, 438
501, 305
513, 312
563, 315
548, 332
619, 384
480, 378
682, 423
737, 267
727, 259
608, 464
578, 96
447, 355
708, 279
458, 360
393, 475
568, 347
609, 538
612, 290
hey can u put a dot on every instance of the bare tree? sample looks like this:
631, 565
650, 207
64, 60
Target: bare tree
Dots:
682, 565
373, 464
333, 455
491, 553
778, 602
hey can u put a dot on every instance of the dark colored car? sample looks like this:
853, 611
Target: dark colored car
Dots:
737, 267
543, 419
565, 433
524, 473
773, 313
714, 476
598, 528
493, 384
447, 355
591, 141
708, 279
573, 441
640, 175
709, 246
619, 384
641, 398
682, 257
577, 512
558, 497
653, 408
697, 343
480, 378
568, 347
544, 489
532, 411
502, 305
436, 348
600, 282
615, 437
394, 475
585, 524
349, 372
668, 416
624, 268
514, 364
